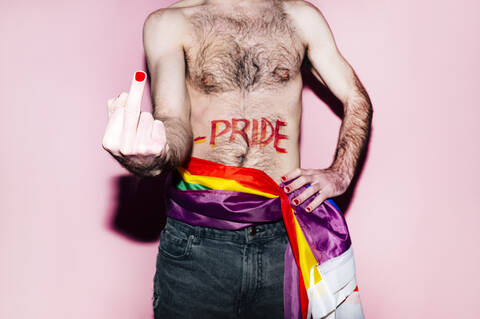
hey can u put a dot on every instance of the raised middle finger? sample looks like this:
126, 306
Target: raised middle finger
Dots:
132, 110
143, 141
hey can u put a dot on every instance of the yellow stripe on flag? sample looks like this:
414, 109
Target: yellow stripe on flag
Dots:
307, 259
218, 183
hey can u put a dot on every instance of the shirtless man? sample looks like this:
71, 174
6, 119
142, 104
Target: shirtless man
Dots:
226, 87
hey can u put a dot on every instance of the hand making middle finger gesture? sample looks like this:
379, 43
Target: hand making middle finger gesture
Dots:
133, 137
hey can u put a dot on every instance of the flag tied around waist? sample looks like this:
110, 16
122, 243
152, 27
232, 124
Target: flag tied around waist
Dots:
319, 265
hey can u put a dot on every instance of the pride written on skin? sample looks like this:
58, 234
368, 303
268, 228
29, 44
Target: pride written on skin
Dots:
262, 132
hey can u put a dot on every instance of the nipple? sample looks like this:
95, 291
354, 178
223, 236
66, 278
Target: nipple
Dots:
282, 74
206, 79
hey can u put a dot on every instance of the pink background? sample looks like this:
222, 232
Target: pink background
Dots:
413, 216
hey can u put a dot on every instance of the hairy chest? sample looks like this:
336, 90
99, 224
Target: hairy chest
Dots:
242, 52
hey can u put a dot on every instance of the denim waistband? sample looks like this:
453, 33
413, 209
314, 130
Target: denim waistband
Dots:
248, 234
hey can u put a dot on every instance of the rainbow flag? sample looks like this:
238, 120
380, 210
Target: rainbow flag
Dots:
319, 264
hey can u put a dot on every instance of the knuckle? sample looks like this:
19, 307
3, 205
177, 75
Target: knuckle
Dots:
125, 151
157, 148
302, 197
107, 144
159, 125
147, 153
111, 148
140, 149
144, 150
151, 149
301, 180
311, 191
319, 199
328, 187
317, 177
147, 114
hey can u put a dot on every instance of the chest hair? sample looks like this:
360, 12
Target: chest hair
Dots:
242, 50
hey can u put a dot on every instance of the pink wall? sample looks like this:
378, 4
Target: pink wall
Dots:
413, 217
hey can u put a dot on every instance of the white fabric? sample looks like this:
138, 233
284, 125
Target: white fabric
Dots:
338, 282
351, 308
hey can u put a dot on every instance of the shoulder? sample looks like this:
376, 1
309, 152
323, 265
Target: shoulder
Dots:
166, 17
172, 19
307, 18
302, 9
163, 33
305, 14
175, 11
166, 25
186, 3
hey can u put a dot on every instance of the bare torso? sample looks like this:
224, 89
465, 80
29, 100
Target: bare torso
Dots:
244, 83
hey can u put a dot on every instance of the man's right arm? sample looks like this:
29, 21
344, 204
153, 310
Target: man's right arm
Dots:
144, 144
163, 32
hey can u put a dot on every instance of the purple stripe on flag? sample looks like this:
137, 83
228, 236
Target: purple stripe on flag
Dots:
222, 209
324, 228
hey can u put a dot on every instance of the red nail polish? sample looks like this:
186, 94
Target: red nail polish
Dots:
139, 76
284, 178
308, 209
287, 189
295, 201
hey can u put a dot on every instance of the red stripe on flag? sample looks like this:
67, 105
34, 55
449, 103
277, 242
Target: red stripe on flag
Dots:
248, 177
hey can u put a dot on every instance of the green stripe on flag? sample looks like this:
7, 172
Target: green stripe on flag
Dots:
184, 186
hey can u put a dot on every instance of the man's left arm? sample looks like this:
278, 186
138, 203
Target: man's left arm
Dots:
331, 68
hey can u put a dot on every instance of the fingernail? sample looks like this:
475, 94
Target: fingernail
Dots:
284, 178
287, 189
308, 209
140, 76
295, 201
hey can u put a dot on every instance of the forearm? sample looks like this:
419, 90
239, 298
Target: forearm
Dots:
354, 131
179, 142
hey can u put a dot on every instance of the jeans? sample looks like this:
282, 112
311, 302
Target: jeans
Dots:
206, 273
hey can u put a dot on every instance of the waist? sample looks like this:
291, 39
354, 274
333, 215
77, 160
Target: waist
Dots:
253, 233
209, 194
222, 209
